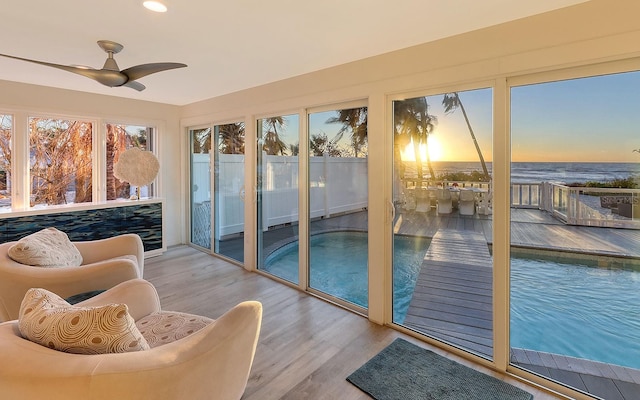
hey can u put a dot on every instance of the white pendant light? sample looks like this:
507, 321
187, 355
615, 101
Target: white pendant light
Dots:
155, 6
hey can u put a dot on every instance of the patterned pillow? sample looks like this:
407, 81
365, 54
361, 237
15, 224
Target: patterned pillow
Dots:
45, 318
46, 248
168, 326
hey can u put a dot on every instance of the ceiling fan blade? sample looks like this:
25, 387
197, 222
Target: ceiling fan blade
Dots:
106, 77
135, 85
139, 71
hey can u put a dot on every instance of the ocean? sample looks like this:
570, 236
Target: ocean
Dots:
567, 172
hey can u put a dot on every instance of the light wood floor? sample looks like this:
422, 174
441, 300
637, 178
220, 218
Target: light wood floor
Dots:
307, 346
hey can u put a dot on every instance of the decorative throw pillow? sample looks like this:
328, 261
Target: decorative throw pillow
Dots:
45, 318
168, 326
46, 248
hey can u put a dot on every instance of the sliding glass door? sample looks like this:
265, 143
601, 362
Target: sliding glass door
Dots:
277, 196
200, 166
442, 231
229, 190
575, 218
338, 201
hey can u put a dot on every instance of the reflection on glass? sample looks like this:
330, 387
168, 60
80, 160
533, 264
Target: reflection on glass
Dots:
277, 194
442, 263
200, 146
229, 190
575, 257
338, 249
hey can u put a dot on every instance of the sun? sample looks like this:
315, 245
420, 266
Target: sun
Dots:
436, 152
435, 149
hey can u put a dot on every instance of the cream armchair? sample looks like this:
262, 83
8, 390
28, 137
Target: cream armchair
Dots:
106, 262
211, 363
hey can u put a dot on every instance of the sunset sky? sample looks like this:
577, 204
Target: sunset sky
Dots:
587, 120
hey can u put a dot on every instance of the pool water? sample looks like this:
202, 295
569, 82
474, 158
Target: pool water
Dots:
348, 280
576, 310
570, 309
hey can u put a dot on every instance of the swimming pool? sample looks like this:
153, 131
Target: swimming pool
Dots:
348, 280
571, 309
576, 310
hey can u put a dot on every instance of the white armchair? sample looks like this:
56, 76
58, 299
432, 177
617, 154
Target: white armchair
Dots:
213, 362
106, 262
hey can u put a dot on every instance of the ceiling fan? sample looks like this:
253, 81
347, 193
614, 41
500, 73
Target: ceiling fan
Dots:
110, 74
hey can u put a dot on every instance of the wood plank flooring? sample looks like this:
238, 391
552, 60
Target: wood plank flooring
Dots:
307, 346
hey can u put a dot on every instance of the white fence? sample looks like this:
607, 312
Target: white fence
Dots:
337, 185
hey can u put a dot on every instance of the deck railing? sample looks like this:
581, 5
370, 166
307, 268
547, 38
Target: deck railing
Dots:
604, 207
335, 189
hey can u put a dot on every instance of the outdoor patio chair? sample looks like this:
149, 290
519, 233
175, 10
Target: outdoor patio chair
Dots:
444, 201
484, 204
423, 200
467, 202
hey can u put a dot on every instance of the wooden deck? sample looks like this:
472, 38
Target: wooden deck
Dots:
608, 381
452, 300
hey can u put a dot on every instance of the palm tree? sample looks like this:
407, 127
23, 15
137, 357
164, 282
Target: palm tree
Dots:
320, 144
295, 149
412, 122
354, 120
201, 141
231, 138
271, 142
452, 102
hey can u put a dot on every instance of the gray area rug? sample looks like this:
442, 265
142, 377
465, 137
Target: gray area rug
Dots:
404, 371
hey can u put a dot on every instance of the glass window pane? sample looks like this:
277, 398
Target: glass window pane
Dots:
60, 154
277, 190
200, 154
229, 190
575, 253
338, 201
6, 129
442, 262
119, 139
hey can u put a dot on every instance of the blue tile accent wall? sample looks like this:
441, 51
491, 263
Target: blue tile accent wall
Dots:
82, 225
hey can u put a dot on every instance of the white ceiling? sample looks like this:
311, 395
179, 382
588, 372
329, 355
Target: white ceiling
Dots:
228, 45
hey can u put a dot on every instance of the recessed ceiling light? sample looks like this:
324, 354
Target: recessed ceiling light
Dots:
155, 6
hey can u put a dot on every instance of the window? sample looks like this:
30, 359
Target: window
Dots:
442, 276
338, 203
575, 214
51, 161
6, 127
60, 161
119, 139
278, 182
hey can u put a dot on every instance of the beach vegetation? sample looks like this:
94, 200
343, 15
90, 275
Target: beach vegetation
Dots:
231, 138
413, 124
353, 120
617, 183
272, 143
320, 144
473, 176
451, 102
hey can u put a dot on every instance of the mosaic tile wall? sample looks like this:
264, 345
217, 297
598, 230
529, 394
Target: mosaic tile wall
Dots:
83, 225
